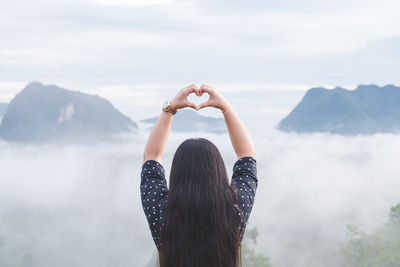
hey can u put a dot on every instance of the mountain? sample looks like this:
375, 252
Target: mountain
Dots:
368, 109
186, 120
3, 108
47, 113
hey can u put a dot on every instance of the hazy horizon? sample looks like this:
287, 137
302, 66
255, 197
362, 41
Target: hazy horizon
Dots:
270, 106
83, 207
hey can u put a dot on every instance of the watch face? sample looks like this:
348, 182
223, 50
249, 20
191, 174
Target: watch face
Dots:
165, 104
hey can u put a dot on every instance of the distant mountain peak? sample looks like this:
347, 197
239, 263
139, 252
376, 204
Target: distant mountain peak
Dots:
3, 109
35, 84
367, 87
338, 88
48, 113
40, 87
187, 120
366, 110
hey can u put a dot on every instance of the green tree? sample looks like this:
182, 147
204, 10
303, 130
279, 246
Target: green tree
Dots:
378, 249
249, 257
394, 216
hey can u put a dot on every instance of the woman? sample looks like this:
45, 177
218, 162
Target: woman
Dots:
200, 220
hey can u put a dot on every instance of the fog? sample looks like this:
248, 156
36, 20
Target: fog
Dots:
77, 205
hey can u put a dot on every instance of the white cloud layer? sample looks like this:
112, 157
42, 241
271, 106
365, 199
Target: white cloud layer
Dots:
80, 205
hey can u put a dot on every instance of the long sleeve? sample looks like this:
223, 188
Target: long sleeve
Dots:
154, 192
244, 179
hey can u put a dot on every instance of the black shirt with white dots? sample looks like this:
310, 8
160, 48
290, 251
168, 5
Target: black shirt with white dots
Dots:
154, 192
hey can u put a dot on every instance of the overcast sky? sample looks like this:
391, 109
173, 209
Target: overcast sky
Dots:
115, 47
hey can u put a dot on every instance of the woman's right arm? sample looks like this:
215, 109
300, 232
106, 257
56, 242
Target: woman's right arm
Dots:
240, 137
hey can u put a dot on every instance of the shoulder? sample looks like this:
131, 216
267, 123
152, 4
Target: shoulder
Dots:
151, 162
151, 166
246, 164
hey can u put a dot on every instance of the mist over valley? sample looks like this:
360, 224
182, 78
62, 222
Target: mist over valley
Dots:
74, 204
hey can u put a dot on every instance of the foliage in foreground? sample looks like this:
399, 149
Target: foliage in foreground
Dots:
380, 248
249, 257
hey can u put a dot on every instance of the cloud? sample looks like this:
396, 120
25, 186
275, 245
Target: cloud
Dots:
313, 185
177, 41
77, 204
133, 2
9, 89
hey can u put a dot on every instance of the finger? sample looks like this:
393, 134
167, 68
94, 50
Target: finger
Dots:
192, 105
204, 104
191, 89
193, 86
187, 88
205, 88
198, 92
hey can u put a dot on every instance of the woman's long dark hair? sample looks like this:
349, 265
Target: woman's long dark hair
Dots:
200, 224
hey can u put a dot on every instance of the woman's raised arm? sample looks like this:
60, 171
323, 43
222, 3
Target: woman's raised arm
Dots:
240, 137
159, 134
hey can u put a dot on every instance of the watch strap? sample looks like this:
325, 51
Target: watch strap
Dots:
169, 109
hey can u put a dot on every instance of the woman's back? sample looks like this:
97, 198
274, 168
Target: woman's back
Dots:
201, 218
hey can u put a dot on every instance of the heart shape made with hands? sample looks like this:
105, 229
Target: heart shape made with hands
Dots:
197, 100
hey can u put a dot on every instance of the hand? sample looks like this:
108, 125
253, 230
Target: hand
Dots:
181, 101
216, 100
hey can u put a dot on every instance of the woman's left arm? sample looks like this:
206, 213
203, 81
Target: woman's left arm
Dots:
159, 134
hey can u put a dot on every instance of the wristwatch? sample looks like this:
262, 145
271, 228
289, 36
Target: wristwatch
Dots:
167, 108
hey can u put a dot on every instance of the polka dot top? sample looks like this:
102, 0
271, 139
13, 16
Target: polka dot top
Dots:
154, 192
